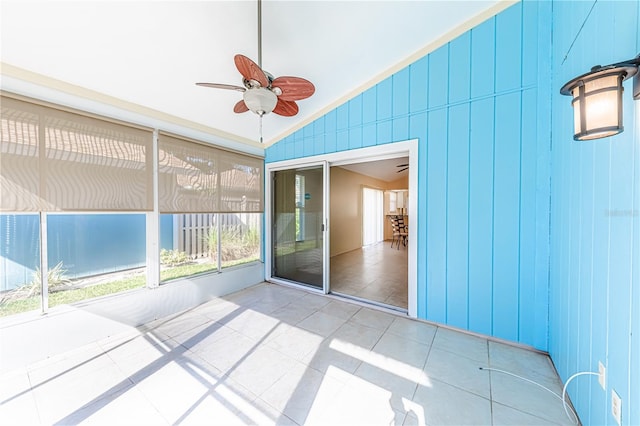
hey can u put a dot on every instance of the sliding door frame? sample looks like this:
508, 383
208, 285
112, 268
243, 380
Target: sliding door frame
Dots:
379, 152
270, 169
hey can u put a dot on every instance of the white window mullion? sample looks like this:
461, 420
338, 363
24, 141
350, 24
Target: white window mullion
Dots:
153, 225
44, 265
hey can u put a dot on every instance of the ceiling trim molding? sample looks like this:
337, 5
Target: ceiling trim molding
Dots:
59, 86
444, 39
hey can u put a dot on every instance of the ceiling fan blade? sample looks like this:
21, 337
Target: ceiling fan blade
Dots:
222, 86
240, 107
293, 88
402, 170
286, 108
402, 165
250, 70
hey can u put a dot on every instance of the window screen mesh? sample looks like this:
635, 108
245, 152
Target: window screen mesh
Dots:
53, 160
196, 178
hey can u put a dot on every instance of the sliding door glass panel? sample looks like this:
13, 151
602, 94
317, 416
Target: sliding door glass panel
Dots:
298, 225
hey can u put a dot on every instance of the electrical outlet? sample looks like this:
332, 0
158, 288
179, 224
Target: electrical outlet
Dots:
602, 376
616, 405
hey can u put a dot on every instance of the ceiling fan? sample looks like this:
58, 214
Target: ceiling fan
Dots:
403, 167
262, 93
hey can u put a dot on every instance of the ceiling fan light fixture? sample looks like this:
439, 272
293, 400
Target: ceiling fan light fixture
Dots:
260, 100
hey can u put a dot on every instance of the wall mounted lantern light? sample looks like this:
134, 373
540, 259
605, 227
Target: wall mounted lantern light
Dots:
597, 99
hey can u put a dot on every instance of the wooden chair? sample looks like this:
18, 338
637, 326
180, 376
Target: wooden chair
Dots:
400, 231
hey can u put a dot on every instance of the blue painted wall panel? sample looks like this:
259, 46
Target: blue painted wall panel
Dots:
342, 142
355, 111
595, 224
369, 135
308, 131
318, 126
483, 58
400, 129
384, 99
482, 260
458, 216
481, 216
506, 217
459, 75
331, 142
290, 150
307, 146
369, 106
298, 148
508, 48
401, 91
384, 132
330, 121
342, 117
318, 145
530, 27
436, 170
527, 250
355, 137
438, 77
419, 75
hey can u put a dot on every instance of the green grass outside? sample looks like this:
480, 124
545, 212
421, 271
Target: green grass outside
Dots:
66, 297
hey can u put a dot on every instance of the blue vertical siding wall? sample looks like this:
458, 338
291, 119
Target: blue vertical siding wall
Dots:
474, 106
595, 220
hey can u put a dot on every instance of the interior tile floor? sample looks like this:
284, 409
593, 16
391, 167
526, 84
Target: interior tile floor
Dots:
272, 354
377, 272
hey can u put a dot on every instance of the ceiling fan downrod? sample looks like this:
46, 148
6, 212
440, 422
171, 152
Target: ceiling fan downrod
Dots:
260, 33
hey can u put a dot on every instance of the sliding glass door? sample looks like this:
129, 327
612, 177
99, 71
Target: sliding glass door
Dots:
298, 225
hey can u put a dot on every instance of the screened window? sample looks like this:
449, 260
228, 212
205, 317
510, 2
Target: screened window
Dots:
54, 160
200, 178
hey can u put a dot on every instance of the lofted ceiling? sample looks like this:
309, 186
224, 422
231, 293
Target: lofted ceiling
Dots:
389, 170
150, 54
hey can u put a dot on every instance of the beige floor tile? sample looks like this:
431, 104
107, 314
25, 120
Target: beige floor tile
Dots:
527, 397
322, 324
461, 343
373, 318
503, 415
458, 371
414, 330
273, 355
443, 404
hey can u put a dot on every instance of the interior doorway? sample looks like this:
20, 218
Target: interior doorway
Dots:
364, 264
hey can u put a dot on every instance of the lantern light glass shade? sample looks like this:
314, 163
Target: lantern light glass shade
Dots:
597, 107
597, 101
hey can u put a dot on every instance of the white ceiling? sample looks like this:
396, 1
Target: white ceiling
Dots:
150, 53
386, 170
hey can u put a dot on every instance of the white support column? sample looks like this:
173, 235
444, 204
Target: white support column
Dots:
153, 226
44, 265
219, 248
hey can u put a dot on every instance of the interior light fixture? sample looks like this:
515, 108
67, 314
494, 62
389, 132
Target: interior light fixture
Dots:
597, 99
260, 100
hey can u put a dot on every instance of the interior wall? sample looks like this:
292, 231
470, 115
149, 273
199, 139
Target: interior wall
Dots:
476, 108
346, 208
595, 220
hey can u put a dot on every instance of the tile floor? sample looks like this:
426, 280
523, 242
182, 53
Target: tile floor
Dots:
272, 354
376, 272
